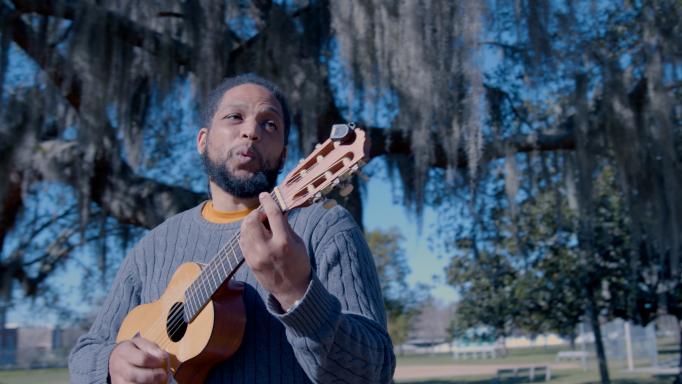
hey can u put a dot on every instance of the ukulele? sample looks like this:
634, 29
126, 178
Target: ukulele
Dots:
199, 320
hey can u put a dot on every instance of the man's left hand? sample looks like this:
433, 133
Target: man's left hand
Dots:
277, 256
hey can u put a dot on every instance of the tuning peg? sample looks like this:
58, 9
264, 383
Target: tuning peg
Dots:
355, 170
364, 177
300, 161
346, 190
329, 203
318, 145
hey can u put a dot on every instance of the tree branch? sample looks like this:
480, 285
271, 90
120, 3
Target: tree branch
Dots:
389, 142
144, 202
114, 186
47, 58
135, 34
675, 84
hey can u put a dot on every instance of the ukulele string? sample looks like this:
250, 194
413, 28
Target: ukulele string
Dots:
156, 332
176, 318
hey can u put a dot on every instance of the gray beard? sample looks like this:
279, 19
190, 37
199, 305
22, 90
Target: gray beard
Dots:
263, 180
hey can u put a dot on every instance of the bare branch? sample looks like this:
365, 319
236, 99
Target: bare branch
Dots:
135, 34
47, 58
388, 142
501, 45
673, 85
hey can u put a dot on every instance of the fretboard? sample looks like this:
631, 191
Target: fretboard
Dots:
219, 270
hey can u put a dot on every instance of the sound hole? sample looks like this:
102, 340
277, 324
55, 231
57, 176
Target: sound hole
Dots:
175, 324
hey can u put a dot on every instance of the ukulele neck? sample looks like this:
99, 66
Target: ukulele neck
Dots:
219, 270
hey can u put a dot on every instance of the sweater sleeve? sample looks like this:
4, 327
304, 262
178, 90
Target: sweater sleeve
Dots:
338, 330
89, 360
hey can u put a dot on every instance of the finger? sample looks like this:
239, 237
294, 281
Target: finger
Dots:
130, 354
277, 221
146, 375
253, 226
148, 354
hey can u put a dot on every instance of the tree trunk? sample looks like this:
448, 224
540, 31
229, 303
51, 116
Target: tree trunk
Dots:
594, 320
504, 346
572, 338
679, 340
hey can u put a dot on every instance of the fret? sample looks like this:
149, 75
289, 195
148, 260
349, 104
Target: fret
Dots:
201, 290
227, 255
240, 248
191, 300
196, 298
234, 253
210, 272
217, 272
189, 306
188, 297
223, 265
204, 290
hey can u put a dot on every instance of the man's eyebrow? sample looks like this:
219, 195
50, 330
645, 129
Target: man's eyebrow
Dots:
266, 107
272, 109
235, 106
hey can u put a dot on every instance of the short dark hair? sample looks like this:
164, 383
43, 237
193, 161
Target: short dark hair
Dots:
210, 105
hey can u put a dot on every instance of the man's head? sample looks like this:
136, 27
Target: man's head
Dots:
243, 139
210, 105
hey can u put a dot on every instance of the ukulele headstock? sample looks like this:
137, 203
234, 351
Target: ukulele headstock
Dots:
329, 167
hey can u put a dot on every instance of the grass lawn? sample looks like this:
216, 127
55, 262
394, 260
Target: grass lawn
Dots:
540, 356
534, 356
35, 376
667, 347
577, 377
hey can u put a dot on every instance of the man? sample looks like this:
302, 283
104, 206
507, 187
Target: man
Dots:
313, 304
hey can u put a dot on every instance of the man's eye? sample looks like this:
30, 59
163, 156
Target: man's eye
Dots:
271, 125
233, 117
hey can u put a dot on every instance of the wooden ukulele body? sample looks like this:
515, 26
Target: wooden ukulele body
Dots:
213, 336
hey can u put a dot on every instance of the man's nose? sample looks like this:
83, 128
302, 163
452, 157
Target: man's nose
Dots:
251, 130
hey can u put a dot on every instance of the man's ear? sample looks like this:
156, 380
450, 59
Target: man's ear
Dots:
201, 140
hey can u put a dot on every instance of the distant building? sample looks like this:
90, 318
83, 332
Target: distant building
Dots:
36, 345
8, 345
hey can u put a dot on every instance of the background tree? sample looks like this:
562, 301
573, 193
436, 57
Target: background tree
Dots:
490, 305
403, 303
432, 324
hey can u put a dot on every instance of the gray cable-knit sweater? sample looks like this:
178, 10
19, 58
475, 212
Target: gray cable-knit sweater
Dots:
337, 333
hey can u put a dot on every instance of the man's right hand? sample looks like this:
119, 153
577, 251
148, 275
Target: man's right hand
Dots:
137, 361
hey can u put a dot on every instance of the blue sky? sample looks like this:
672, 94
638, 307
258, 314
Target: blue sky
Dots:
380, 211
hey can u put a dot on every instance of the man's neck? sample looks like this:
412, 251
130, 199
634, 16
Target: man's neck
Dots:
224, 202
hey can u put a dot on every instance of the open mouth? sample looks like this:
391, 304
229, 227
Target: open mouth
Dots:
246, 154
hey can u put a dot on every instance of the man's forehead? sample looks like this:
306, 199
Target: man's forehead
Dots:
242, 95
